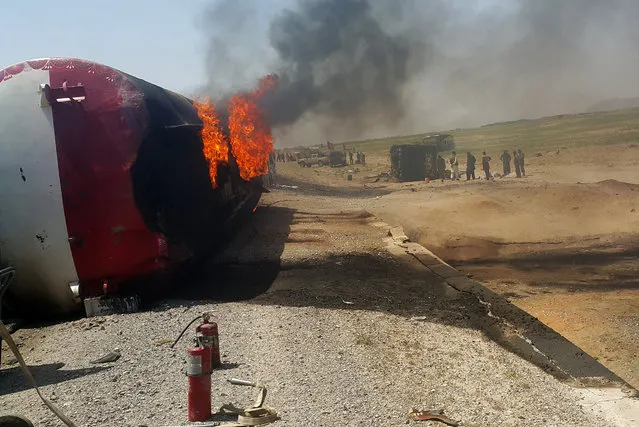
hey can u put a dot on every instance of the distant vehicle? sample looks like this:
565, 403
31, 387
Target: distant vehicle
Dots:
315, 159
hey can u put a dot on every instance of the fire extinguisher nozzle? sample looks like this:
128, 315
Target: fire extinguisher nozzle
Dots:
236, 381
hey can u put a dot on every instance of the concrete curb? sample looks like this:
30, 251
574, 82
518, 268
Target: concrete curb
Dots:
517, 329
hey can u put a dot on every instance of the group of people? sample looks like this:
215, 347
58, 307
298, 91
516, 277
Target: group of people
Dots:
518, 159
517, 156
360, 158
286, 157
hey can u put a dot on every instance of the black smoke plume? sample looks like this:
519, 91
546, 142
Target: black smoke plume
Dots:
332, 58
367, 68
336, 60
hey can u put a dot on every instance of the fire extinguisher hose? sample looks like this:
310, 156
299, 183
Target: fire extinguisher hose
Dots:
205, 316
4, 333
184, 330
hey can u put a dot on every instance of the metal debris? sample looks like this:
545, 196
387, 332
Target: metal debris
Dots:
162, 341
109, 357
431, 415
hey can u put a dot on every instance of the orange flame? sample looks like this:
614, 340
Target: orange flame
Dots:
251, 139
215, 149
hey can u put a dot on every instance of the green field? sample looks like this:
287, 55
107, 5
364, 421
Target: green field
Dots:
565, 131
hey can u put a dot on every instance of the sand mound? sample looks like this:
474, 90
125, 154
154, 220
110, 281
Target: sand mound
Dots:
619, 186
609, 198
483, 222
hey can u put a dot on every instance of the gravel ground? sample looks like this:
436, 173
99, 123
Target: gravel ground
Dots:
343, 333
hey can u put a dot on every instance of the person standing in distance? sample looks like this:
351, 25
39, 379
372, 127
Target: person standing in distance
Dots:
485, 163
455, 166
470, 166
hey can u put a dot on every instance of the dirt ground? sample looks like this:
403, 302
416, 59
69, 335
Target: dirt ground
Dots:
345, 324
562, 243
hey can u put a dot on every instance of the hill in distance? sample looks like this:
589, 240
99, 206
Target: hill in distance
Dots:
620, 126
615, 104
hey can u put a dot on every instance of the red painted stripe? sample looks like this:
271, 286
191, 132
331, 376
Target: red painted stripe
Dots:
96, 141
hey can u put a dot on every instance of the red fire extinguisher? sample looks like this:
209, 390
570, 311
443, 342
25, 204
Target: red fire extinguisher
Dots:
207, 337
199, 374
202, 359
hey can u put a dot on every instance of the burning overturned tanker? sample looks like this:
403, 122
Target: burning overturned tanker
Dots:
105, 178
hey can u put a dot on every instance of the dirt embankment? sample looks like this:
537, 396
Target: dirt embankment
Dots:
479, 220
566, 253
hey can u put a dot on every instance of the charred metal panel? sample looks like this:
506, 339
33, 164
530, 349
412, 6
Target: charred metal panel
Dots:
413, 162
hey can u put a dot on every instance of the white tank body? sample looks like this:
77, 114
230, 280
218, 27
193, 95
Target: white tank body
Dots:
33, 231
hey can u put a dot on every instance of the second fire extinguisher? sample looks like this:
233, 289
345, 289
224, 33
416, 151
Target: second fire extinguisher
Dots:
207, 336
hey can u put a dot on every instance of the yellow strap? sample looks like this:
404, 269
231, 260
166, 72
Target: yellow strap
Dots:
251, 416
257, 416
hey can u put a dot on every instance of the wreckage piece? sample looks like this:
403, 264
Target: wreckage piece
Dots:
431, 415
111, 356
413, 162
103, 181
417, 160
